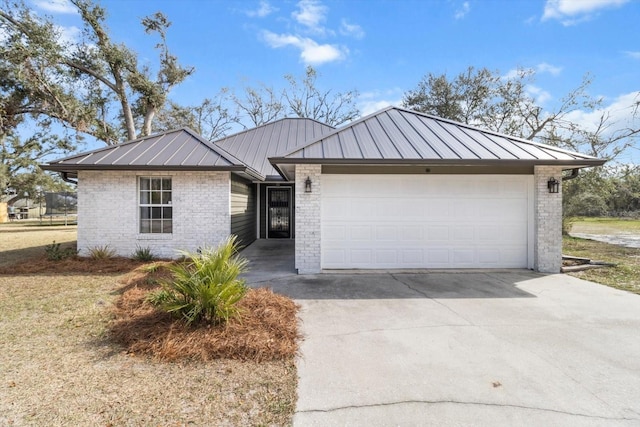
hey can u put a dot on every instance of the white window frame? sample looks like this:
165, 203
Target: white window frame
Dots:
160, 207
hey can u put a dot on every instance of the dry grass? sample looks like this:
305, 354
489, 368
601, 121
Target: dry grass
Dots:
625, 275
20, 243
60, 367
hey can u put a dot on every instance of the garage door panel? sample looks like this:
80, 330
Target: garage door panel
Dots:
335, 232
412, 257
409, 233
488, 256
437, 221
437, 233
360, 257
334, 256
385, 233
463, 233
438, 209
361, 232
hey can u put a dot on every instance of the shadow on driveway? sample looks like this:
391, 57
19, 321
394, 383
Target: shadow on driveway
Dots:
271, 264
390, 285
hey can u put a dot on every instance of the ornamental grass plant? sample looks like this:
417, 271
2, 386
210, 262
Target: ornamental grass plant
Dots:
204, 287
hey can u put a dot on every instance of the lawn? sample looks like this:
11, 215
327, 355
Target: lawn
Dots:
606, 226
626, 274
59, 366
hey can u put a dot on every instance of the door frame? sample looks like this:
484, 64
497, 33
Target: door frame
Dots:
266, 207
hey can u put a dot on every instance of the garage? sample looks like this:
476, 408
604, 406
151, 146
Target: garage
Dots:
400, 189
426, 221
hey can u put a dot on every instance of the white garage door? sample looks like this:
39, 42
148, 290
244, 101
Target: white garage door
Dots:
426, 221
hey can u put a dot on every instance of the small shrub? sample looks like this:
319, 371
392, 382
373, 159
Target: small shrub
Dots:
102, 252
205, 287
55, 253
143, 254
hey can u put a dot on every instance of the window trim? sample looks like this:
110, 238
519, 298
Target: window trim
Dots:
150, 234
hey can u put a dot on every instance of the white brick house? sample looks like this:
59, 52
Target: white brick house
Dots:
393, 190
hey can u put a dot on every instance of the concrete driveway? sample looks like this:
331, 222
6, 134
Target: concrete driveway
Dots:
467, 348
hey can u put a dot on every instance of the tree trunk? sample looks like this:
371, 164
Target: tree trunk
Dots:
148, 119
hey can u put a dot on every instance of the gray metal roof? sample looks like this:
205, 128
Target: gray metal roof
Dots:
398, 136
255, 146
181, 149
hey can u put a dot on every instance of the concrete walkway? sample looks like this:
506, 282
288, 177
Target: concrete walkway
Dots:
268, 260
510, 348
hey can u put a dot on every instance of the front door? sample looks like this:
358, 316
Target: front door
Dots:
279, 213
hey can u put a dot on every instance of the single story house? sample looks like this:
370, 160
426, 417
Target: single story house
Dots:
393, 190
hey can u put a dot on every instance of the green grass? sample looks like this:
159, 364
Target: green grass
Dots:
625, 275
606, 226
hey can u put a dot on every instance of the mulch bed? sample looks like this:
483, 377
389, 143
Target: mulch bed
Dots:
266, 330
72, 265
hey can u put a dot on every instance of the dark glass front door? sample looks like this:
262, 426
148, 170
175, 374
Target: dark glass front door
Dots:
279, 213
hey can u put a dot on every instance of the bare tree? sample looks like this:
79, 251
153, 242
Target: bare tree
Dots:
301, 98
212, 118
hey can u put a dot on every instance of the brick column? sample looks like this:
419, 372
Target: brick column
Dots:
308, 220
548, 221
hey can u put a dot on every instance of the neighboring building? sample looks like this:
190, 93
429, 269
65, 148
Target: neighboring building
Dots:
395, 189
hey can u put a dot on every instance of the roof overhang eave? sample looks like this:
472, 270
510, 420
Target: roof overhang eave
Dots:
565, 163
72, 170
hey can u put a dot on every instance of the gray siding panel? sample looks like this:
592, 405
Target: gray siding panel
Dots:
243, 210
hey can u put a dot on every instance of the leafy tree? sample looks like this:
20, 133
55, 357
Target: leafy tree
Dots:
19, 158
94, 86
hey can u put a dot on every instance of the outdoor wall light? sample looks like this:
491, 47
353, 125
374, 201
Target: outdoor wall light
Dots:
307, 185
553, 185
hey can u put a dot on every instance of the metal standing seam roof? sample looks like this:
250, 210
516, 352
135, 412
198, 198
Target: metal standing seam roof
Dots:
399, 136
181, 149
255, 146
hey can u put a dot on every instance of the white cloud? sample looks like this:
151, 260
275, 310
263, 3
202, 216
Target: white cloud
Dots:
69, 34
311, 52
56, 6
311, 14
463, 10
631, 54
353, 30
548, 68
372, 101
264, 9
541, 96
515, 73
571, 12
620, 112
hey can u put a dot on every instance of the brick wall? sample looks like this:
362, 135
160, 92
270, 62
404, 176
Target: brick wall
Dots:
307, 220
548, 221
108, 211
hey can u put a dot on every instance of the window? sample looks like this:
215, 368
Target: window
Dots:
156, 212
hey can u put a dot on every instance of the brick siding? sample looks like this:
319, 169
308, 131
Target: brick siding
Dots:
108, 211
548, 221
308, 239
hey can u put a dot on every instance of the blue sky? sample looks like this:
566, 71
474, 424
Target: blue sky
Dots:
383, 47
